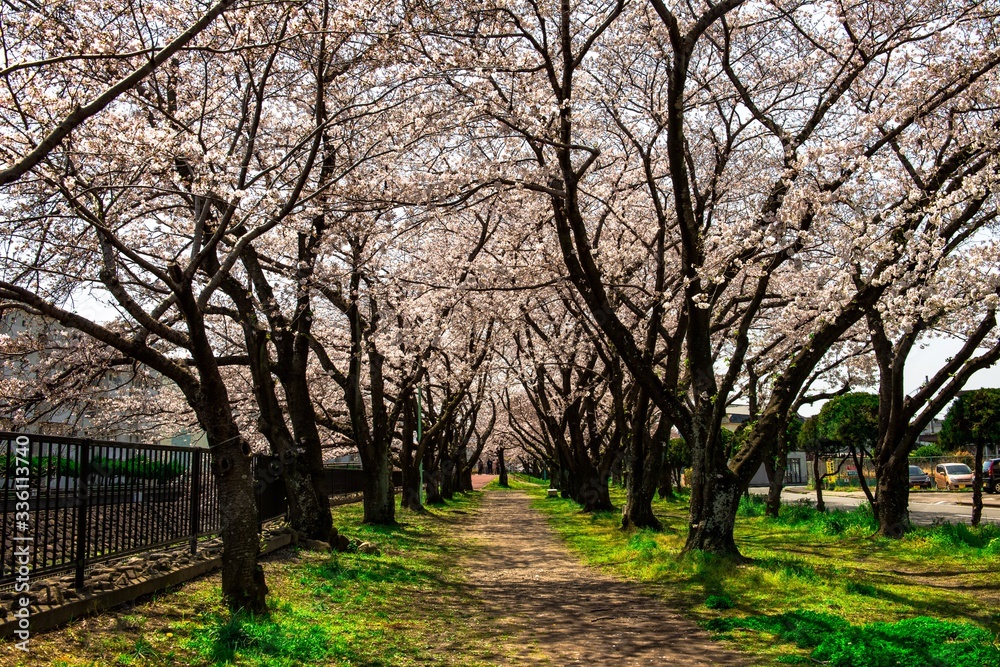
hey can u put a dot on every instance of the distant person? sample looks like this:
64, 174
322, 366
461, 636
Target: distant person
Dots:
481, 467
489, 466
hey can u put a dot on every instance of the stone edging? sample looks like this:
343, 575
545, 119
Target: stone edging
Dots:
48, 617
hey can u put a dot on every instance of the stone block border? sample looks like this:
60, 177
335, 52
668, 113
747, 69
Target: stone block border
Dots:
54, 600
60, 611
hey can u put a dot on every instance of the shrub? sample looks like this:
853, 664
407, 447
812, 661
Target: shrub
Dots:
927, 451
914, 641
720, 602
798, 512
44, 465
751, 506
138, 467
860, 520
960, 536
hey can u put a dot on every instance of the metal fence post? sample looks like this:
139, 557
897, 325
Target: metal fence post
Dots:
195, 499
82, 512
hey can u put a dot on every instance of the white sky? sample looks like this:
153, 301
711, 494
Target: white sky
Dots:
921, 364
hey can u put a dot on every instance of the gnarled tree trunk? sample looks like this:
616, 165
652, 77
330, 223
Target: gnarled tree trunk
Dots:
892, 497
713, 516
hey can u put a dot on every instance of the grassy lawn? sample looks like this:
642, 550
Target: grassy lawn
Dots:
819, 587
407, 606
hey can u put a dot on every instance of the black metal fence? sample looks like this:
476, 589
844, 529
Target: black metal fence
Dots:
343, 479
67, 503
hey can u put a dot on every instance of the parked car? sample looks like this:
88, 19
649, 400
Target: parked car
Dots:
952, 476
991, 476
919, 478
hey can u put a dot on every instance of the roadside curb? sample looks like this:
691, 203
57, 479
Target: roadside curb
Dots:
988, 501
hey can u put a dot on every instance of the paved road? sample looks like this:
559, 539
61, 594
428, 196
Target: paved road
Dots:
479, 481
925, 507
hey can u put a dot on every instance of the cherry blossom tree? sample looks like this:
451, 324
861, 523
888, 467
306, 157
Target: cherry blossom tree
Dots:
769, 150
90, 52
159, 225
956, 294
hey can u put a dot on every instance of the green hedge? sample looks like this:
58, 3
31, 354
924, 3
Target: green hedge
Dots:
136, 467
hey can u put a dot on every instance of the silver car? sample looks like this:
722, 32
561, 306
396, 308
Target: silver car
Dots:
952, 476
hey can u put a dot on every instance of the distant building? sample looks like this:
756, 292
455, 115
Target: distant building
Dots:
796, 470
931, 432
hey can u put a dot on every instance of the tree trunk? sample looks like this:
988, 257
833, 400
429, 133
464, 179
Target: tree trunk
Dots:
977, 485
503, 469
592, 490
300, 456
464, 472
818, 481
317, 520
644, 464
308, 510
893, 497
379, 495
411, 487
567, 483
243, 584
308, 507
447, 476
776, 482
408, 463
712, 522
666, 488
859, 465
432, 480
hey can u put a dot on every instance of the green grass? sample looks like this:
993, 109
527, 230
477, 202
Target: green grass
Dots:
834, 641
936, 582
529, 479
406, 607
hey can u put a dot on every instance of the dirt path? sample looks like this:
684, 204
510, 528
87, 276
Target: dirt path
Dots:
573, 615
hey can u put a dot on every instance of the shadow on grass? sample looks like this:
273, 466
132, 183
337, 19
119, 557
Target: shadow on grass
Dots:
262, 636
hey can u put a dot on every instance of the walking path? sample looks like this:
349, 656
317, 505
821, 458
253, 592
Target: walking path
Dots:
573, 614
479, 481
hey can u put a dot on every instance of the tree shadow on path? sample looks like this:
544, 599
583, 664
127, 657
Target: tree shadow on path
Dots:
574, 614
